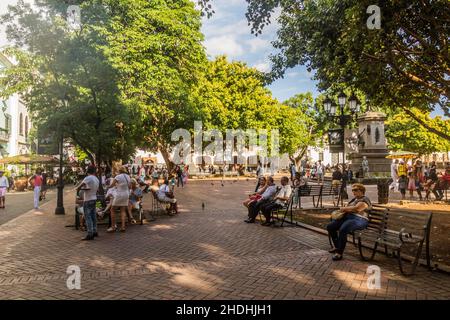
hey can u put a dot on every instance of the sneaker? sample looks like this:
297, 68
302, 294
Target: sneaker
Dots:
95, 234
88, 238
337, 257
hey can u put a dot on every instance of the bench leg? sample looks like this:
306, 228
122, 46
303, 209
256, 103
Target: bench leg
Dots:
414, 263
360, 248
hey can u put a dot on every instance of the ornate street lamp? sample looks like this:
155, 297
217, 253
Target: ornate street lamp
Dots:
353, 103
342, 119
60, 201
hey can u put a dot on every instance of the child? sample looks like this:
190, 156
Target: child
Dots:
402, 182
172, 183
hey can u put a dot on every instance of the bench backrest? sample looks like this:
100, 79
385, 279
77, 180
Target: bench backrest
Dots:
409, 221
310, 190
331, 190
377, 219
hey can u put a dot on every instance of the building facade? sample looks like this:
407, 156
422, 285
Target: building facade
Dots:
15, 122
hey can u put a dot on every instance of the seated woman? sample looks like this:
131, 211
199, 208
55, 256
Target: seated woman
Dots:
262, 186
135, 197
109, 196
355, 218
165, 195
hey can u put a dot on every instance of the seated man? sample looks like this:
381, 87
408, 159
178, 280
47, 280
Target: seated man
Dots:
254, 207
356, 218
165, 195
280, 200
135, 198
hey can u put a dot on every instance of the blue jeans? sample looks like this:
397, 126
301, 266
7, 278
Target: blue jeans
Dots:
90, 216
339, 229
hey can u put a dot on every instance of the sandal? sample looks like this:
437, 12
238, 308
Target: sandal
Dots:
111, 229
133, 221
122, 229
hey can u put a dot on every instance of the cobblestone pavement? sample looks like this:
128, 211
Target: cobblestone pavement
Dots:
18, 203
198, 254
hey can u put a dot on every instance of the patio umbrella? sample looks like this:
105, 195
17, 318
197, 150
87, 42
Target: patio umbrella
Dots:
29, 159
402, 155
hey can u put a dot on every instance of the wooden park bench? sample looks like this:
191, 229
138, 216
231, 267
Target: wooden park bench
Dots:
396, 229
318, 191
274, 214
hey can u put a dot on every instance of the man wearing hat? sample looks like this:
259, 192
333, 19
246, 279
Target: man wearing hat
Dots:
4, 184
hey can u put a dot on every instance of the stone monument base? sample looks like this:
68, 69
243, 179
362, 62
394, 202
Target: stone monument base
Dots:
379, 166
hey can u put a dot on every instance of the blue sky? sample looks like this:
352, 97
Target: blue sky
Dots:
227, 32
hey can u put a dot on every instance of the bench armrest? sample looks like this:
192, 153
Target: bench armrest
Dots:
408, 237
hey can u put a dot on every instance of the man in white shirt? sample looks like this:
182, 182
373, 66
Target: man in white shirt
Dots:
254, 207
320, 172
90, 186
279, 201
165, 195
4, 184
394, 175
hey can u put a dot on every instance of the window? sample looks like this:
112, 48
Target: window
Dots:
8, 122
21, 124
26, 126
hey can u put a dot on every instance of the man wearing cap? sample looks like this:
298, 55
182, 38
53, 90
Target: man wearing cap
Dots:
4, 184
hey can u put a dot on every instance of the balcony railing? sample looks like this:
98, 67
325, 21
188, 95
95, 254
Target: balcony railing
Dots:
4, 135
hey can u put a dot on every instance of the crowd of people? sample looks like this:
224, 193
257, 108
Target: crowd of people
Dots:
123, 192
417, 177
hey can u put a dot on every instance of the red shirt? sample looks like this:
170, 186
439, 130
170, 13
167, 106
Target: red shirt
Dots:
37, 181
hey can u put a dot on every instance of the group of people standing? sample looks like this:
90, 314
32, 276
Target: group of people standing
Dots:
418, 177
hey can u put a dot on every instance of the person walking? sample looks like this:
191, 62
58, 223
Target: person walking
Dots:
37, 182
4, 185
90, 186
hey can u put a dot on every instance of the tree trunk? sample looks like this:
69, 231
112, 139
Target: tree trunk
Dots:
166, 155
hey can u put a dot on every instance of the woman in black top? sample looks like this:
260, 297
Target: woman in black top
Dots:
356, 218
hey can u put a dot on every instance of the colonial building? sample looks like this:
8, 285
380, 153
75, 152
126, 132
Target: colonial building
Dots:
15, 123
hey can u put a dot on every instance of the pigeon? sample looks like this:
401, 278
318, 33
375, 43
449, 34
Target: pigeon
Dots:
203, 206
212, 183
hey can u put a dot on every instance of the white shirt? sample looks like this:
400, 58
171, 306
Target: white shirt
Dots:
270, 192
260, 171
123, 180
4, 182
284, 192
162, 190
320, 168
394, 170
91, 184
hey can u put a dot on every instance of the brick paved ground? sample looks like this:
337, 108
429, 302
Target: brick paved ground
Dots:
210, 254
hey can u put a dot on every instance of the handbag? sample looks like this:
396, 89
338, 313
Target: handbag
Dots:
337, 215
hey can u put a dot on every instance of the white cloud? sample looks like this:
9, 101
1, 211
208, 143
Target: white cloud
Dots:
262, 66
258, 44
226, 44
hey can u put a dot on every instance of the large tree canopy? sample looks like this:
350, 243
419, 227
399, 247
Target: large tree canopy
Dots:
234, 97
404, 134
404, 64
67, 81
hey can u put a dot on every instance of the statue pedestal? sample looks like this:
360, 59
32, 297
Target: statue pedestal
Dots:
373, 146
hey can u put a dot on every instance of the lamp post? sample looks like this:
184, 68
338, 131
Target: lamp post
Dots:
342, 119
60, 201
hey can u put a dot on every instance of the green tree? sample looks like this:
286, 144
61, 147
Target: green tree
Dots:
233, 96
404, 134
402, 65
156, 46
67, 81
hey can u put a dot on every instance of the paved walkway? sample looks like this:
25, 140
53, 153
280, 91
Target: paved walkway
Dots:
198, 254
19, 202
